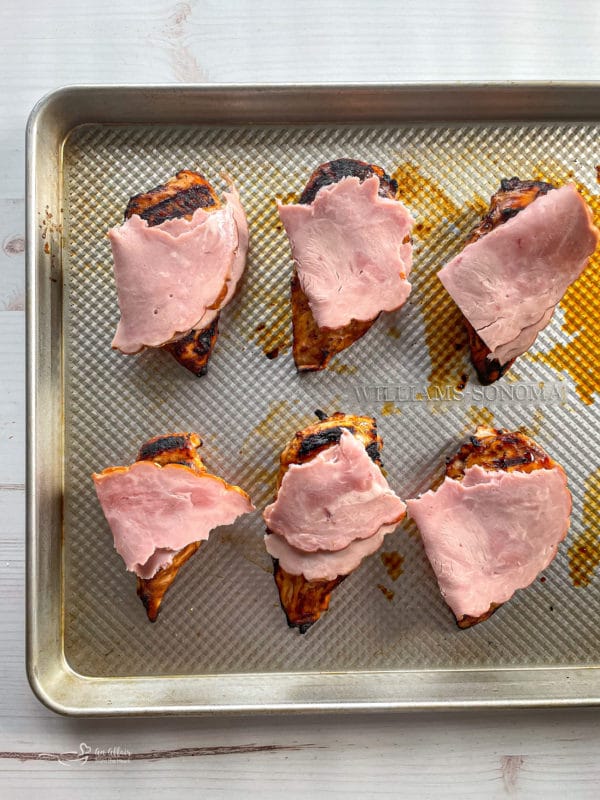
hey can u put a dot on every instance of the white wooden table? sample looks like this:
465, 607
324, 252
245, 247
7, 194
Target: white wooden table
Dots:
455, 755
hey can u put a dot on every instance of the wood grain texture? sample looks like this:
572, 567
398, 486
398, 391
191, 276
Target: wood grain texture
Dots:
491, 755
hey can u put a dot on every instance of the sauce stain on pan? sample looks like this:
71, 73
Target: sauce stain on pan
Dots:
278, 409
536, 424
393, 563
478, 416
342, 369
273, 334
267, 300
287, 198
445, 334
584, 553
579, 354
387, 593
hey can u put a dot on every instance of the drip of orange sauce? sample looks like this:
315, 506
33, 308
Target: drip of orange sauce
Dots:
393, 563
536, 424
389, 408
387, 593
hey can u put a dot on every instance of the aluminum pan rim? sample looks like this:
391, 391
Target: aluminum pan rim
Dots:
109, 696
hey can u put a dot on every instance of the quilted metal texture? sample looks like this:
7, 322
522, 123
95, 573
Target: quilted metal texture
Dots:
411, 371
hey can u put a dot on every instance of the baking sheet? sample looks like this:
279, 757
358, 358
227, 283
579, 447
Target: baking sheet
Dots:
222, 615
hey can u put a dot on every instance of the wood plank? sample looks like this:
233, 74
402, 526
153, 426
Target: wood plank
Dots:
368, 756
48, 45
12, 398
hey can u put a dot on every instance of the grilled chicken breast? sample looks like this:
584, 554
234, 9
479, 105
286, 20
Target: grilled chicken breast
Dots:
497, 449
513, 196
171, 448
180, 197
161, 508
304, 601
313, 347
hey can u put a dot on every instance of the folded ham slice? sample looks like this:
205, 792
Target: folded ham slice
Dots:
508, 282
239, 259
324, 564
154, 511
331, 511
491, 533
333, 508
338, 497
168, 276
352, 251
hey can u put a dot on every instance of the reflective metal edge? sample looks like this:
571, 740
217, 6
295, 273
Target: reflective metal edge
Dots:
52, 680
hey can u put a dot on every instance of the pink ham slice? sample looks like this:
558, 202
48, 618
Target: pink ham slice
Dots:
170, 275
324, 564
491, 533
331, 511
337, 497
155, 511
508, 283
350, 251
239, 261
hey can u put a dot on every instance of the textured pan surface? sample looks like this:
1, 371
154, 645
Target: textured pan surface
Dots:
222, 615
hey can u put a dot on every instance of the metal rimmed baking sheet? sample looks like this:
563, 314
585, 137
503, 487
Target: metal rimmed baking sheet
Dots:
221, 643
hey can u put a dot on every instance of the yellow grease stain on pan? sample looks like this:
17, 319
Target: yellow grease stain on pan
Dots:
280, 418
536, 424
389, 408
478, 416
273, 334
584, 553
287, 198
264, 474
268, 300
445, 334
266, 477
579, 356
342, 369
478, 205
272, 420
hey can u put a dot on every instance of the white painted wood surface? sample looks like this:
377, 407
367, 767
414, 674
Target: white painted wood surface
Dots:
475, 755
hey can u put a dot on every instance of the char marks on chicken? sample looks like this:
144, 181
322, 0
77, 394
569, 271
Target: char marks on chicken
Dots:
512, 197
162, 507
534, 241
180, 197
494, 523
319, 553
